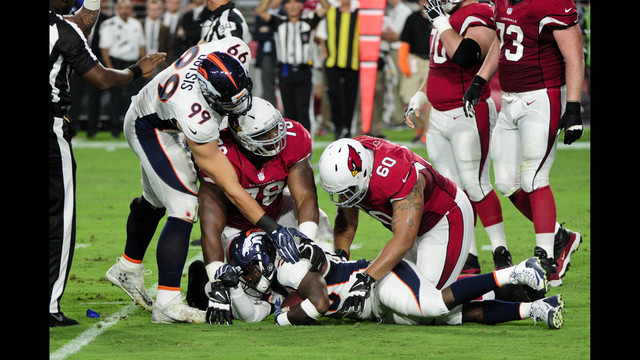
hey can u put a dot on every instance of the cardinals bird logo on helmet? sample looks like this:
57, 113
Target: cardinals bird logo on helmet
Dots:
354, 161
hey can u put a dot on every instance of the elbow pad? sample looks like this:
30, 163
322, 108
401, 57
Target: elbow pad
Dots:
468, 53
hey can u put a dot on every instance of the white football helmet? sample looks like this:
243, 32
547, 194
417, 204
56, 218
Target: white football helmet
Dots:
262, 130
345, 169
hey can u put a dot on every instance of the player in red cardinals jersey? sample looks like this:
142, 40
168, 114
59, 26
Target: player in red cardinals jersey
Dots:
538, 55
430, 217
458, 145
270, 156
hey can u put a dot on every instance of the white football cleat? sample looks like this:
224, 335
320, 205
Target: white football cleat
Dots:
132, 282
530, 272
176, 311
548, 310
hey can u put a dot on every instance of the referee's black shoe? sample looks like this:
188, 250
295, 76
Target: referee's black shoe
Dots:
58, 319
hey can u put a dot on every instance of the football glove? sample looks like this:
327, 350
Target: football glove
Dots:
433, 10
228, 275
472, 95
571, 122
358, 293
415, 103
219, 309
284, 242
280, 316
313, 252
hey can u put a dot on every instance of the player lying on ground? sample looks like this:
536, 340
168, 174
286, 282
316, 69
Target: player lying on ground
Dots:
403, 296
270, 155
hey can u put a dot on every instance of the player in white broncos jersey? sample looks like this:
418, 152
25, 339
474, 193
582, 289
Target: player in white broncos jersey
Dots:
176, 115
403, 296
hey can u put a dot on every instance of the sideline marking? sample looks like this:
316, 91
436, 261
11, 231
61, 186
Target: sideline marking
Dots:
75, 345
113, 145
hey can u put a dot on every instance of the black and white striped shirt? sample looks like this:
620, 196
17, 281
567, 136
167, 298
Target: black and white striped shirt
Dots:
294, 41
68, 51
227, 21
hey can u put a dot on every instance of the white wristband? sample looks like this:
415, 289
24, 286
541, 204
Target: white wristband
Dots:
282, 319
441, 24
212, 268
310, 309
309, 228
91, 4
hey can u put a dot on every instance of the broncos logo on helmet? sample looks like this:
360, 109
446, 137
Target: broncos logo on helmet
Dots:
354, 161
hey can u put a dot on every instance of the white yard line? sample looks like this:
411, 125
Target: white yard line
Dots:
96, 330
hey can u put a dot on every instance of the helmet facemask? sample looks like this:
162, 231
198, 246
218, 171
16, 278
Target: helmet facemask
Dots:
262, 130
225, 84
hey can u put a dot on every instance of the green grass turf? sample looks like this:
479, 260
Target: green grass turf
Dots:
108, 178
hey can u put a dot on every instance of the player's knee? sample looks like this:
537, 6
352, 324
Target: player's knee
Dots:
476, 192
531, 182
143, 210
320, 301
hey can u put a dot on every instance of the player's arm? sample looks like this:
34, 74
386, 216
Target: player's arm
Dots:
103, 77
212, 207
262, 10
247, 308
490, 64
569, 42
302, 185
346, 224
86, 16
216, 165
405, 222
313, 289
470, 49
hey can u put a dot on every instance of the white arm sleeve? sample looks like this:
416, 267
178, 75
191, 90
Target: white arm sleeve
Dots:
247, 308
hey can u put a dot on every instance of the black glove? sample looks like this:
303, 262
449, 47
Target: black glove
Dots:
342, 253
284, 242
571, 122
358, 293
313, 252
219, 309
473, 95
228, 275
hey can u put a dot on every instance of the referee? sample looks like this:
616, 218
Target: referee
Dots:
293, 36
69, 51
223, 20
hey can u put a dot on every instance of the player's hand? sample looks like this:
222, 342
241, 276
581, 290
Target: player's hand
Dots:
310, 250
358, 293
284, 242
151, 61
414, 106
278, 311
228, 275
433, 10
571, 122
473, 95
219, 309
342, 253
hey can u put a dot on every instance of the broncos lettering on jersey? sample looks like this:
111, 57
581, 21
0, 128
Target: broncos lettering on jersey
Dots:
266, 183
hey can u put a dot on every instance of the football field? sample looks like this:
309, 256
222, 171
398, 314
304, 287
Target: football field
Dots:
108, 178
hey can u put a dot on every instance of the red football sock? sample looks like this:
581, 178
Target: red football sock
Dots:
522, 202
543, 208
